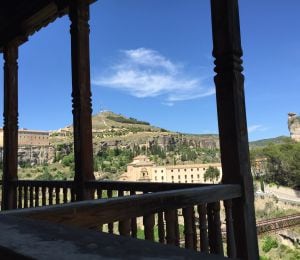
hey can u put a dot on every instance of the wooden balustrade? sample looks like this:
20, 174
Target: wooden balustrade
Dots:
161, 212
192, 220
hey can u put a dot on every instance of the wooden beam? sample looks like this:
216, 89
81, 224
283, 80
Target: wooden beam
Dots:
10, 128
229, 83
31, 239
81, 94
93, 213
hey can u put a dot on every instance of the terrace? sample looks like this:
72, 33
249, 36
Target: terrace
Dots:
198, 217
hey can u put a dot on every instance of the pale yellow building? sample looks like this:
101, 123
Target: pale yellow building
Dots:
29, 137
142, 169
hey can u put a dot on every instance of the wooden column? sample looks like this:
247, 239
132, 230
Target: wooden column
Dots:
81, 94
10, 128
229, 83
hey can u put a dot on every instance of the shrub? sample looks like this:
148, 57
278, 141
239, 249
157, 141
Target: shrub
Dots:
269, 243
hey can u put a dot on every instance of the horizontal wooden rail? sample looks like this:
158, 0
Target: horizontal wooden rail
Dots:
94, 212
142, 186
39, 183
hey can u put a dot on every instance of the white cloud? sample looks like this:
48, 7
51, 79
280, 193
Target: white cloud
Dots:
146, 73
254, 128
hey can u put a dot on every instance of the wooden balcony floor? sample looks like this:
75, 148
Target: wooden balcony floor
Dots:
22, 238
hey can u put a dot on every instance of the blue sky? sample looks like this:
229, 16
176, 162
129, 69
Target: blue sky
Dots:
151, 59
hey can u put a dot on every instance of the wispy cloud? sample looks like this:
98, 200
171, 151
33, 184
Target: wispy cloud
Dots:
254, 128
146, 73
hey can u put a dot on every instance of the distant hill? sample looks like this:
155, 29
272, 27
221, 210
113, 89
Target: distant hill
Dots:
108, 120
265, 142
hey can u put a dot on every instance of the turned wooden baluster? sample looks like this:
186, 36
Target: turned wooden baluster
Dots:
99, 196
99, 193
14, 188
203, 228
31, 197
36, 196
170, 218
189, 228
44, 196
65, 194
50, 191
57, 195
110, 225
73, 194
25, 196
231, 247
20, 197
124, 225
161, 227
133, 222
214, 228
149, 222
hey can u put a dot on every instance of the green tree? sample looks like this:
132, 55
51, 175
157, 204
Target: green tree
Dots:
212, 174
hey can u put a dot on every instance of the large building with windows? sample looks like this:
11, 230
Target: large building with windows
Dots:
29, 137
142, 169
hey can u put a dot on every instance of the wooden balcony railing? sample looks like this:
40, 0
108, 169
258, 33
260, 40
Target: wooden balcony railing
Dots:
190, 217
35, 193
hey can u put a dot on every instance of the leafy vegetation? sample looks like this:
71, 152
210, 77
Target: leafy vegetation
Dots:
282, 165
269, 243
212, 174
130, 120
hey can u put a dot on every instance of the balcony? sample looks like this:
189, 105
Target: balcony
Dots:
181, 215
69, 219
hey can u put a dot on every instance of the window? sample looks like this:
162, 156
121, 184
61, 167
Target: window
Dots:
185, 170
178, 170
162, 170
162, 178
192, 169
192, 181
172, 177
185, 176
156, 178
185, 181
171, 170
155, 171
203, 169
192, 176
197, 169
178, 176
198, 176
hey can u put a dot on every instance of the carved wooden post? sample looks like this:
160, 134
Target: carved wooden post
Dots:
10, 136
229, 83
81, 94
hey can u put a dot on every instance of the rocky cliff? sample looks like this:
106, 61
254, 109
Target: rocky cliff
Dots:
110, 131
294, 126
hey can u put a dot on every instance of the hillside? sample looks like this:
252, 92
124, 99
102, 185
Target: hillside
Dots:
115, 130
265, 142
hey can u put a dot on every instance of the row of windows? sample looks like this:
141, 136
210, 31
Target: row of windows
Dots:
192, 169
35, 137
185, 176
172, 177
162, 178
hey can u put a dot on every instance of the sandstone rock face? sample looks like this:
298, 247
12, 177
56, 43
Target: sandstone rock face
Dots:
294, 126
38, 155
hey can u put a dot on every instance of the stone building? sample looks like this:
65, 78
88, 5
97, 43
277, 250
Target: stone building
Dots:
29, 137
142, 169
